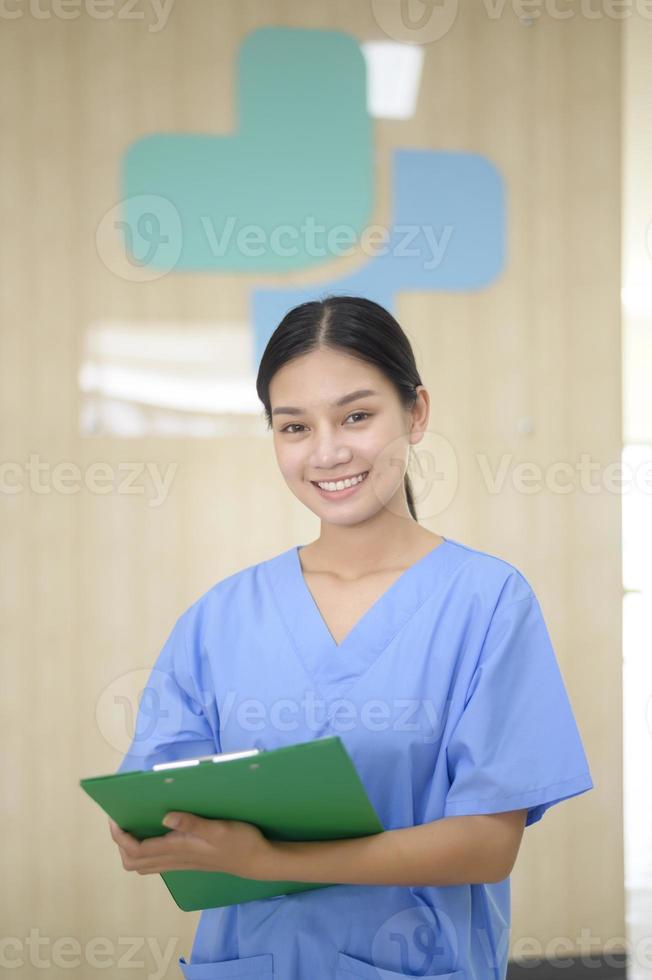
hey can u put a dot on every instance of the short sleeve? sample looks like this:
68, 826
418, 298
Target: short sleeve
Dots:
516, 743
171, 720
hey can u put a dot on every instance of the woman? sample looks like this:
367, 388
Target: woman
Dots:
429, 659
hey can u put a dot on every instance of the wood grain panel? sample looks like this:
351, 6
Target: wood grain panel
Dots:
92, 584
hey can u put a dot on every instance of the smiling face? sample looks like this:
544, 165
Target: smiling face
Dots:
318, 440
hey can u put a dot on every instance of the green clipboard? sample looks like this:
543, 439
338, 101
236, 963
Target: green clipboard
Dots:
307, 791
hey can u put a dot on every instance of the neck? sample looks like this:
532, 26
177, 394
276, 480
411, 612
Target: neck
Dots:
352, 551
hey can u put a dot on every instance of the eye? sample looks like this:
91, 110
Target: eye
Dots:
293, 427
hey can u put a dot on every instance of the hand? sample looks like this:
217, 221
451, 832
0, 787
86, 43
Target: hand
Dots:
197, 844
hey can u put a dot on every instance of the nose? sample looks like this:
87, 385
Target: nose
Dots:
329, 450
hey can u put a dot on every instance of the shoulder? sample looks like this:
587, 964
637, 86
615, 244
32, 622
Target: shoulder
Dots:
492, 578
229, 597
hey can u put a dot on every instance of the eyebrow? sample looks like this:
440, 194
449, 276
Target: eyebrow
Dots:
353, 396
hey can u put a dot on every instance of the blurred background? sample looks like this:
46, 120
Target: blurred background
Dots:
174, 176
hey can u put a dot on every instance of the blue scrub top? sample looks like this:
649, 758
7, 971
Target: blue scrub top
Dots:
447, 695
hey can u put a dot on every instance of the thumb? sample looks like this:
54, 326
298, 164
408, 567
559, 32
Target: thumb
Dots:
189, 823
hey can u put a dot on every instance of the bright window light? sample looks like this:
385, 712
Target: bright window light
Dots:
393, 78
168, 378
637, 298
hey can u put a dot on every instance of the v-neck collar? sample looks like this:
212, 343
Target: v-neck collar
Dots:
334, 665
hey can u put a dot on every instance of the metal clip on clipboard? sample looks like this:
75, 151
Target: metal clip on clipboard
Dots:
221, 757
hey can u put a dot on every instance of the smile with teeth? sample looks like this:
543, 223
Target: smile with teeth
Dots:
343, 484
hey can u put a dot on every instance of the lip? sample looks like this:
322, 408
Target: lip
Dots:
340, 494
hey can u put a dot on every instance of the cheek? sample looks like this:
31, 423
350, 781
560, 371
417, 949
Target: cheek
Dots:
389, 457
291, 463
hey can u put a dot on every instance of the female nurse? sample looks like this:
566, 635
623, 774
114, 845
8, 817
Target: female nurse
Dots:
428, 658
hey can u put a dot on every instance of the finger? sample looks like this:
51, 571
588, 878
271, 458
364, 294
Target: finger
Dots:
174, 845
152, 847
158, 869
119, 835
126, 841
159, 847
159, 865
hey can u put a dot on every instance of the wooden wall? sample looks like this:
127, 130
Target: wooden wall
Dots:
92, 583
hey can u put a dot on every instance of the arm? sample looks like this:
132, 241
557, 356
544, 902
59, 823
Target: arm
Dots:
450, 851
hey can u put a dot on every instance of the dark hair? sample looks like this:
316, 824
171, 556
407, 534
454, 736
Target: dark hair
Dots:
350, 323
